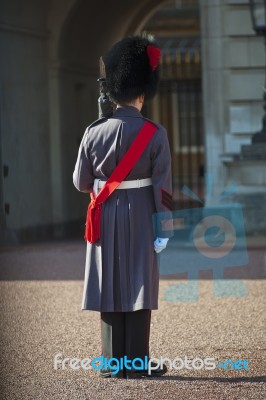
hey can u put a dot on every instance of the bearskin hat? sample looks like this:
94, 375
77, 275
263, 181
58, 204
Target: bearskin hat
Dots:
132, 69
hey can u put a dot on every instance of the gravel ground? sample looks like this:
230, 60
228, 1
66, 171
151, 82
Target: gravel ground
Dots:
41, 288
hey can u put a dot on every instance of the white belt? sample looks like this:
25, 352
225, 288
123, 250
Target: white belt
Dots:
135, 184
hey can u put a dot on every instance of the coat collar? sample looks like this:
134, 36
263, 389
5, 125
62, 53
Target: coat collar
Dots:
127, 111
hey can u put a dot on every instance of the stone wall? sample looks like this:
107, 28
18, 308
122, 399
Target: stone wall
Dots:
48, 72
233, 77
24, 116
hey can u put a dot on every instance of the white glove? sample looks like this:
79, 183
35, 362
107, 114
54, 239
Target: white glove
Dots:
160, 244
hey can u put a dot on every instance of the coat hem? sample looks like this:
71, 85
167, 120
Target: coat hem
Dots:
136, 307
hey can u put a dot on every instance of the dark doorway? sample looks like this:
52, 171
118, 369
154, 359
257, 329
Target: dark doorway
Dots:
178, 105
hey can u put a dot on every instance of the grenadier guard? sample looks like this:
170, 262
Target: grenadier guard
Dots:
121, 273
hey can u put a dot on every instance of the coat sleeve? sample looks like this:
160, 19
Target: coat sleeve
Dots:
162, 184
83, 173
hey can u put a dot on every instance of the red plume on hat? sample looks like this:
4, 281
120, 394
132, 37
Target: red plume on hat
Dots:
154, 54
132, 69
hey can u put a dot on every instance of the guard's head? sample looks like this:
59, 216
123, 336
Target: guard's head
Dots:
132, 69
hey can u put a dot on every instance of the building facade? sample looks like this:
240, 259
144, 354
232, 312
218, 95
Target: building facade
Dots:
49, 66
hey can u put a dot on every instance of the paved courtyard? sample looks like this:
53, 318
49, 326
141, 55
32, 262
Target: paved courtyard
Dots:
40, 297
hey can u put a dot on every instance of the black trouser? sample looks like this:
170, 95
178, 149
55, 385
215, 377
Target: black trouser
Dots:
125, 334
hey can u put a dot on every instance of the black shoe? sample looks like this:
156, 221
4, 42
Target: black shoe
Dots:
136, 373
105, 373
109, 373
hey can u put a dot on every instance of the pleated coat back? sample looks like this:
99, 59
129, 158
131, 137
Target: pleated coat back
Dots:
121, 271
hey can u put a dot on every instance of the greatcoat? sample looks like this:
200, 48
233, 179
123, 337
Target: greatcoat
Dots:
121, 271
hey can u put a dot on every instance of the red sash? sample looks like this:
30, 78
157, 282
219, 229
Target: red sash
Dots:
93, 220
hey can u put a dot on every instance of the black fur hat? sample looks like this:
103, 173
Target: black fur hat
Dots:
132, 69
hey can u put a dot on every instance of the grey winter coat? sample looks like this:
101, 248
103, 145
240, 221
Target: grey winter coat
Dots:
121, 272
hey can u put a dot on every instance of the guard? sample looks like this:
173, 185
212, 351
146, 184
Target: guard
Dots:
124, 163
